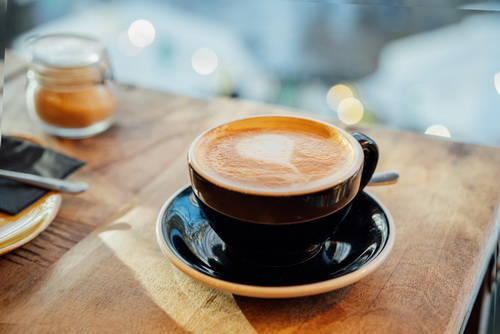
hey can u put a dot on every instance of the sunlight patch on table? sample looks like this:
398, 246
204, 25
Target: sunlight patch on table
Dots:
193, 306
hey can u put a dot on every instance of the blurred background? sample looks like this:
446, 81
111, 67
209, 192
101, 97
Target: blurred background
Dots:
427, 66
424, 66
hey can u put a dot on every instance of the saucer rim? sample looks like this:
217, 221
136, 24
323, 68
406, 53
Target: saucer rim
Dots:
40, 225
289, 291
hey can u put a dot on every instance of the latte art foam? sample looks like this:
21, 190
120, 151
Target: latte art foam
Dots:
279, 159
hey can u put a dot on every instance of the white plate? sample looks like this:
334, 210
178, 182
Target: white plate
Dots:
19, 229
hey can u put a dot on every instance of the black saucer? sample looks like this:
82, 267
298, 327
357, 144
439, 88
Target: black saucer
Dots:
360, 245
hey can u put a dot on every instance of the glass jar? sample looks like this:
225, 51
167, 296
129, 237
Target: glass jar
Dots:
70, 91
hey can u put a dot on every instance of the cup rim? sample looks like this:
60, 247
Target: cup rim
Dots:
346, 175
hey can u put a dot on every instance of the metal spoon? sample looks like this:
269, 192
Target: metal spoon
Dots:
71, 187
384, 178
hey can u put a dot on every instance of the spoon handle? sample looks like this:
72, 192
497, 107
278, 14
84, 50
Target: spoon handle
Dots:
383, 178
71, 187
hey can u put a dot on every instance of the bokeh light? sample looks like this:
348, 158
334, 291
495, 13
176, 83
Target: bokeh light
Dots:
141, 33
336, 94
438, 130
204, 61
350, 110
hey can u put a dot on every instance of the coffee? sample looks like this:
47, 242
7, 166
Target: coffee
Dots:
274, 188
277, 155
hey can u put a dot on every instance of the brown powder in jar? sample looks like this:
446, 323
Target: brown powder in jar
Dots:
75, 109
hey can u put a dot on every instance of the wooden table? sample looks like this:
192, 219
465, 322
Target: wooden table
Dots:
98, 268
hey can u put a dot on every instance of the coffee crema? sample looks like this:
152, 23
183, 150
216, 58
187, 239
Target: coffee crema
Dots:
277, 154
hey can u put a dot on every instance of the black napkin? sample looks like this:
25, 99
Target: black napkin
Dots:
23, 156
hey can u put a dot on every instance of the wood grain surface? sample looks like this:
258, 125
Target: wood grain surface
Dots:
98, 268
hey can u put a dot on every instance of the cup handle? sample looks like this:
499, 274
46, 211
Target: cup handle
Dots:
370, 150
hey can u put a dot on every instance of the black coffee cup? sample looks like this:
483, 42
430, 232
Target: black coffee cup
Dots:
277, 228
